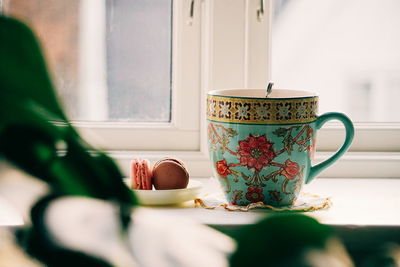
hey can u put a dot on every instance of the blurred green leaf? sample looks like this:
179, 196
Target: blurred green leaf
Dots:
32, 124
23, 72
279, 240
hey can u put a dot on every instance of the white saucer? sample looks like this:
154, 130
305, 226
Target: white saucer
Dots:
167, 197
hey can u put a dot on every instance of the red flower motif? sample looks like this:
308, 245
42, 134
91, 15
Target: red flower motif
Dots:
255, 152
311, 149
310, 132
223, 168
255, 194
291, 169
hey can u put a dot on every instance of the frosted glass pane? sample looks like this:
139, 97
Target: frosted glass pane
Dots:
56, 23
347, 51
133, 81
139, 59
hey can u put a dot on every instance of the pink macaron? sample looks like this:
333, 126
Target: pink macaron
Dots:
141, 174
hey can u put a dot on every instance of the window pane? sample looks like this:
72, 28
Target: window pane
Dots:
56, 24
111, 59
347, 51
139, 59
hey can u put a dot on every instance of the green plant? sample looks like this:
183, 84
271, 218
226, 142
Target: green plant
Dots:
34, 130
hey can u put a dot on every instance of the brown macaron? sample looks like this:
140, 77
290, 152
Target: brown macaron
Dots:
170, 173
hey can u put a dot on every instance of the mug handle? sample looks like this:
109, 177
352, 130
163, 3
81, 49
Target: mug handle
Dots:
348, 125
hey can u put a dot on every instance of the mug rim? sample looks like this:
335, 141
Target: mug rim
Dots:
257, 93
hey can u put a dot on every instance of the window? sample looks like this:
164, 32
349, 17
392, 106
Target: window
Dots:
127, 71
345, 50
110, 59
203, 45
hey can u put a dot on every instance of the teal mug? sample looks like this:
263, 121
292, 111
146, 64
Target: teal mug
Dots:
261, 147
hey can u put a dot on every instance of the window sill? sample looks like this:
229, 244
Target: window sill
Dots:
364, 211
356, 202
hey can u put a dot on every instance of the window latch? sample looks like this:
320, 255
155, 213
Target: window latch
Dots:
191, 13
260, 11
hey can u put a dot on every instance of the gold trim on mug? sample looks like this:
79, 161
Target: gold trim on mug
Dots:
262, 110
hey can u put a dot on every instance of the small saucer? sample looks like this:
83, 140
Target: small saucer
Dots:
167, 197
305, 203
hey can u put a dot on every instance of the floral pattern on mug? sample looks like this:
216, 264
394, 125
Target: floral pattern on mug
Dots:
222, 168
275, 195
263, 161
284, 111
242, 111
262, 111
211, 107
301, 110
255, 194
290, 170
255, 152
311, 148
237, 195
224, 109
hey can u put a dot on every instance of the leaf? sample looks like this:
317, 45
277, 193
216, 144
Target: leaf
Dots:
271, 176
244, 176
237, 194
32, 122
288, 144
236, 175
23, 72
224, 143
231, 132
280, 132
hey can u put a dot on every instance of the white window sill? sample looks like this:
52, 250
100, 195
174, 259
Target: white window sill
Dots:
356, 202
365, 212
364, 202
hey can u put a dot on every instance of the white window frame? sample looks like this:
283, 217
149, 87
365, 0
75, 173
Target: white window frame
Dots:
227, 44
182, 133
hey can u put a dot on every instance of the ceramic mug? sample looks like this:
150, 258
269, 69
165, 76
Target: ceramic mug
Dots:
261, 148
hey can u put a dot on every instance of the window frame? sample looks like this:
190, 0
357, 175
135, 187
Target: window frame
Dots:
203, 59
182, 132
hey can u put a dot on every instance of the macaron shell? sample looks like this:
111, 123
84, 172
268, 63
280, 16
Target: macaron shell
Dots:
146, 175
170, 174
141, 174
134, 174
177, 161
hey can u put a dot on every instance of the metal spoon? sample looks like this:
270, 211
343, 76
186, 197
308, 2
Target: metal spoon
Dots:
269, 88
